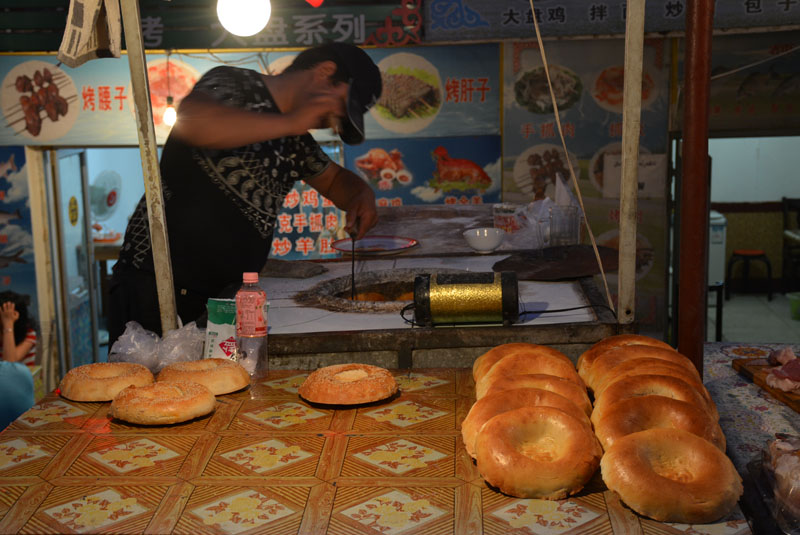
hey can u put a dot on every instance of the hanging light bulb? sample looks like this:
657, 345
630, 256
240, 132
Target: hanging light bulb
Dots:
170, 115
244, 17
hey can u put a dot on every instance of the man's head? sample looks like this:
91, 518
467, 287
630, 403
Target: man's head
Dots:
354, 67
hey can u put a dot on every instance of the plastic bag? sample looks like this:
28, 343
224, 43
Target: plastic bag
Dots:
185, 343
137, 345
140, 346
782, 470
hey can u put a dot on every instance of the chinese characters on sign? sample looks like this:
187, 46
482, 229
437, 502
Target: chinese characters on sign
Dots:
462, 89
457, 20
307, 30
102, 97
309, 213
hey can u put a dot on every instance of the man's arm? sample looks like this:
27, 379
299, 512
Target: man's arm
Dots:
203, 122
350, 193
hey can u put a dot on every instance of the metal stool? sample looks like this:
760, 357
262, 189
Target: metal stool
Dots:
717, 288
746, 255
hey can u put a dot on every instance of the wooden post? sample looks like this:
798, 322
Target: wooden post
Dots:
52, 370
694, 199
631, 128
131, 22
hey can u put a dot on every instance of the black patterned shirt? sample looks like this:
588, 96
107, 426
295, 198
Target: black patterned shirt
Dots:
221, 205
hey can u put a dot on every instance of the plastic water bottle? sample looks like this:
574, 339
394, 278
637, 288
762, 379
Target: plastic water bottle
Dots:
251, 325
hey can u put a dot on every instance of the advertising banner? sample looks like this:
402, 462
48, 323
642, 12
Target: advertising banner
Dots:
429, 91
755, 85
587, 81
463, 20
437, 91
441, 144
17, 271
44, 103
442, 170
194, 24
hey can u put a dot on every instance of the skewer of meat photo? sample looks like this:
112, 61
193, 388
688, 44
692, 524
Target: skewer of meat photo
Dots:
37, 94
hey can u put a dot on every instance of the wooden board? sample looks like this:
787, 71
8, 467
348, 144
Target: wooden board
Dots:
558, 263
757, 373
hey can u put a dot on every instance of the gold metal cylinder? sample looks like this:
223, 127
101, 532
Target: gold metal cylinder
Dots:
467, 303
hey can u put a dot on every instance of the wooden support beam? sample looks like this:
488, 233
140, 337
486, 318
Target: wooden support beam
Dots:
631, 129
695, 188
131, 22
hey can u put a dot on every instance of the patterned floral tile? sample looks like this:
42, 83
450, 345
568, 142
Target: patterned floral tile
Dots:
93, 512
280, 415
742, 351
399, 457
276, 384
749, 415
18, 451
133, 455
409, 413
730, 527
286, 384
266, 456
396, 511
126, 457
237, 512
55, 414
428, 383
544, 517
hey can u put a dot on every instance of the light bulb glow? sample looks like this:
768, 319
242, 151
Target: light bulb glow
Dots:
170, 115
244, 17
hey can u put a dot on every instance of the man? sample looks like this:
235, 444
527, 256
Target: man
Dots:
240, 142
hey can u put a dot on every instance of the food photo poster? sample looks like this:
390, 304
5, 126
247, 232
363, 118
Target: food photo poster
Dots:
463, 124
17, 271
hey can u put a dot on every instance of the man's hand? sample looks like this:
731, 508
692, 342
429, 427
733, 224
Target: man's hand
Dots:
361, 213
351, 194
320, 110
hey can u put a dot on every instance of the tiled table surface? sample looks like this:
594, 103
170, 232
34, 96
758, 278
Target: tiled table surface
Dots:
266, 462
748, 414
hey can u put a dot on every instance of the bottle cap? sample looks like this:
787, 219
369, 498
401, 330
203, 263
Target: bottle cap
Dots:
250, 277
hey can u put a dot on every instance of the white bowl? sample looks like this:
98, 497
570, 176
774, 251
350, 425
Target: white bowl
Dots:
484, 240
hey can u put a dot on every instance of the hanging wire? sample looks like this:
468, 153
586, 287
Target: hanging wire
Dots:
569, 162
214, 57
169, 92
743, 67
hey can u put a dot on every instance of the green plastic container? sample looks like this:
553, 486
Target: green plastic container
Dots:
794, 304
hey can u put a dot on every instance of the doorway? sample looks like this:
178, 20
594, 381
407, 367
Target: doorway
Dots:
74, 274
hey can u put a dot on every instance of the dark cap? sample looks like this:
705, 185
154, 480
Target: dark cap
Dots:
365, 88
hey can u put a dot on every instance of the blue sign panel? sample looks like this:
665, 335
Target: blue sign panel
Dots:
461, 20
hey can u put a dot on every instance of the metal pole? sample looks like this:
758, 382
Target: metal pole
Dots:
131, 23
631, 130
694, 198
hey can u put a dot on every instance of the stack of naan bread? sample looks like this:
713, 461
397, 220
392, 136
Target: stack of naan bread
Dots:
529, 429
653, 423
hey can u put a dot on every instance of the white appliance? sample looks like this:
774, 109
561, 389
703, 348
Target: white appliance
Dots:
717, 228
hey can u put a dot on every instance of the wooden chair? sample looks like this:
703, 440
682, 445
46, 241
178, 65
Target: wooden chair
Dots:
791, 243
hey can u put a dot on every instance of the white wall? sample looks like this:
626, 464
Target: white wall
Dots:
128, 163
754, 169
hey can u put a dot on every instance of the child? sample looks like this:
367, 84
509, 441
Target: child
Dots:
16, 391
18, 334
